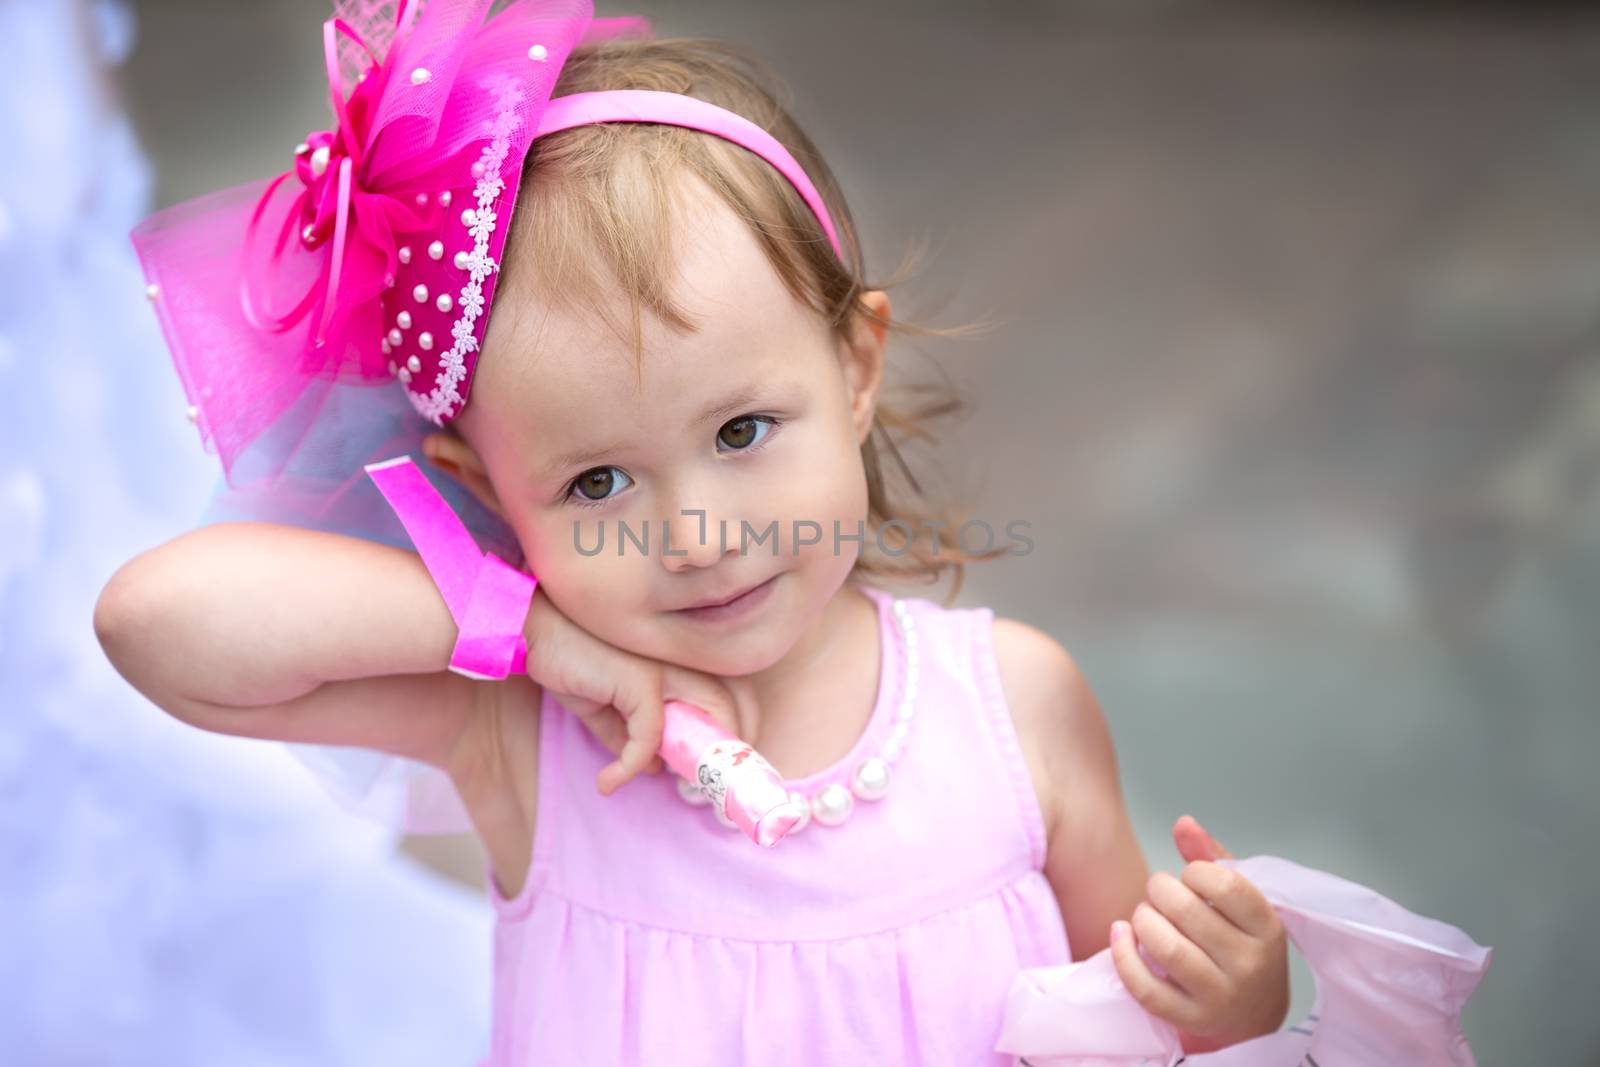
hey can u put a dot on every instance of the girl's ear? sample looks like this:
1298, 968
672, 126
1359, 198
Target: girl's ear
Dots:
863, 356
450, 453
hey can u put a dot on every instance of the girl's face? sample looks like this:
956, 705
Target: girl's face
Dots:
748, 430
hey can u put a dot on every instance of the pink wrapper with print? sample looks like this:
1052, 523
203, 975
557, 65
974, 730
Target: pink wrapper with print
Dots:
740, 784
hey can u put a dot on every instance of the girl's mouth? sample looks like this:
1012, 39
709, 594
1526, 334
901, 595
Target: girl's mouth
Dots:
737, 608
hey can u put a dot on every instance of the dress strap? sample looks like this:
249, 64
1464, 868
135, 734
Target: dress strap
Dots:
1003, 728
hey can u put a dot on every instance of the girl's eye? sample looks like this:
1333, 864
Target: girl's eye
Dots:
598, 485
746, 431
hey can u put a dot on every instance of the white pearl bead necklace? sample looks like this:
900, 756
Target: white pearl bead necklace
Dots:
832, 804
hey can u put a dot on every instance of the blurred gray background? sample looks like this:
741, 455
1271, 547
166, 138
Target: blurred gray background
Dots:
1296, 377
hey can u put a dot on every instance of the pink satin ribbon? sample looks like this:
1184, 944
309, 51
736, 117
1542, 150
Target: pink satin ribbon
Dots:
487, 597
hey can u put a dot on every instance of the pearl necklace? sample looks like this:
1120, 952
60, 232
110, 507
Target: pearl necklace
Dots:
832, 804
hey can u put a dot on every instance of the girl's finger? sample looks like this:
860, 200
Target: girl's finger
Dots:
1186, 964
638, 701
620, 771
1155, 995
606, 725
1233, 895
1194, 918
609, 729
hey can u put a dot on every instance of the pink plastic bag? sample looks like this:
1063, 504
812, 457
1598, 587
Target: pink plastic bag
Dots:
1390, 989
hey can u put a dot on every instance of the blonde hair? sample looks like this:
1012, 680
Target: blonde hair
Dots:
594, 217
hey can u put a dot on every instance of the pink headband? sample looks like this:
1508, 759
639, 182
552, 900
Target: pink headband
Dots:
383, 260
422, 316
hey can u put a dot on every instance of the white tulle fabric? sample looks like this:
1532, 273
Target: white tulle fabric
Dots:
172, 897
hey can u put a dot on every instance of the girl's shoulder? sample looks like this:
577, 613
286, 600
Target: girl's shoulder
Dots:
495, 770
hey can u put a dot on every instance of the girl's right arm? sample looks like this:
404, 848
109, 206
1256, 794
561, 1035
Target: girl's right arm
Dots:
288, 634
278, 632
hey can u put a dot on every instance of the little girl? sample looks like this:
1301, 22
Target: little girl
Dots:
677, 413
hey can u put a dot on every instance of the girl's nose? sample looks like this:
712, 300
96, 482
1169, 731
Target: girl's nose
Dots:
695, 539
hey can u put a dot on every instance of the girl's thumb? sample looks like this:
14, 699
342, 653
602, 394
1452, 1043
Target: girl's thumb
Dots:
704, 692
1195, 841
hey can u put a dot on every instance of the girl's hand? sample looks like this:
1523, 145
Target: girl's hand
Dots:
1221, 946
617, 694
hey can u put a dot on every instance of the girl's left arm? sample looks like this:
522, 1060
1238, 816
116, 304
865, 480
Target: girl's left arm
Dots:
1092, 858
1223, 949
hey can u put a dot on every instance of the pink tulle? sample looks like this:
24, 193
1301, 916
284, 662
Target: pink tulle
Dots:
1390, 989
274, 293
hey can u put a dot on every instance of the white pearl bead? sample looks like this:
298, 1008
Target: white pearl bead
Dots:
462, 259
832, 804
405, 253
301, 149
420, 76
871, 779
405, 375
319, 162
414, 365
444, 198
152, 291
538, 53
420, 293
193, 413
690, 792
444, 303
902, 730
309, 234
422, 199
394, 335
425, 341
805, 815
907, 709
403, 320
478, 169
892, 748
436, 250
468, 216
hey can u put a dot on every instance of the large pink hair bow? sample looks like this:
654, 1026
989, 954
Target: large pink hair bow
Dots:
374, 256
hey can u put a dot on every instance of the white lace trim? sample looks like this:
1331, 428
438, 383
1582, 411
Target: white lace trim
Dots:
445, 400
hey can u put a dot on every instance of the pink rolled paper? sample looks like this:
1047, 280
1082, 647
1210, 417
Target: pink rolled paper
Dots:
732, 775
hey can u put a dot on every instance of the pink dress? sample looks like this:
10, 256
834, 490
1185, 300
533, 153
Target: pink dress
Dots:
650, 933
